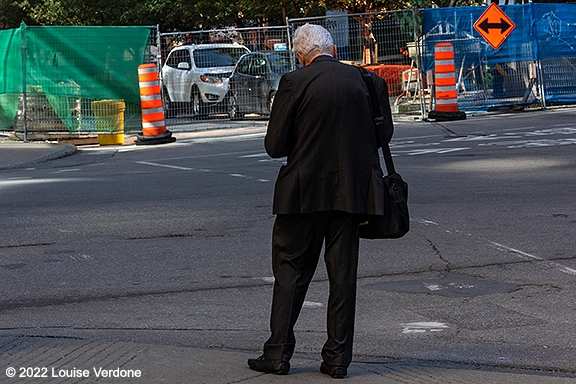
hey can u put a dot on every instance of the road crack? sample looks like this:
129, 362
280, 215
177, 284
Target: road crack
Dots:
439, 254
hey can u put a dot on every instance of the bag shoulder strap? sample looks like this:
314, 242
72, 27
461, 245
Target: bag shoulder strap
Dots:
378, 119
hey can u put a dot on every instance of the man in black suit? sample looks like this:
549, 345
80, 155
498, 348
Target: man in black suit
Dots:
322, 122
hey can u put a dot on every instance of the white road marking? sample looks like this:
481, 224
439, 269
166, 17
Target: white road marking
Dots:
312, 304
522, 254
522, 137
422, 327
239, 175
204, 156
439, 287
433, 287
283, 159
28, 181
434, 150
535, 143
133, 148
472, 138
254, 155
424, 221
67, 170
165, 165
242, 137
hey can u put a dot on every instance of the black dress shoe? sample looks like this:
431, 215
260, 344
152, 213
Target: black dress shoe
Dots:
262, 364
337, 372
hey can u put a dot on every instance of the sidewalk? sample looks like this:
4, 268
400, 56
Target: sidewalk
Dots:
19, 154
14, 154
148, 363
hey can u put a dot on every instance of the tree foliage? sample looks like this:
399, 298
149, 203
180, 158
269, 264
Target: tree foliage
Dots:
189, 15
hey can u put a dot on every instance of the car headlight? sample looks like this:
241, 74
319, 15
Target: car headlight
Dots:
211, 79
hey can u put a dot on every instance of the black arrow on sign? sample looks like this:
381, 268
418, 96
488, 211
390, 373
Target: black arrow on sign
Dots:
503, 26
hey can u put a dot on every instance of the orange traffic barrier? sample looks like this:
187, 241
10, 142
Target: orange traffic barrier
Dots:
153, 122
446, 95
151, 101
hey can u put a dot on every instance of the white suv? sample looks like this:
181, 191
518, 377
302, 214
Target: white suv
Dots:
197, 75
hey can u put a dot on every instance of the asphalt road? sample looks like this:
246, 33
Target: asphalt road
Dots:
170, 244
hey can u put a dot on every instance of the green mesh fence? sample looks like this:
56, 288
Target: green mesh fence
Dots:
10, 75
65, 69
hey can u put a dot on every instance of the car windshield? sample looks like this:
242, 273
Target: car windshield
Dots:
280, 63
218, 57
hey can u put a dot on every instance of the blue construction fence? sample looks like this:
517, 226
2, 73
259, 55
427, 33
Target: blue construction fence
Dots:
535, 64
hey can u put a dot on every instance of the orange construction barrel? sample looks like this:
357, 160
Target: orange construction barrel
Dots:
445, 87
151, 101
153, 122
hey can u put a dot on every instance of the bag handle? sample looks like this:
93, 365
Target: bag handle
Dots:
378, 120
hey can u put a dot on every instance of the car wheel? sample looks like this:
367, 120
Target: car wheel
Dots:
197, 107
271, 101
168, 104
233, 111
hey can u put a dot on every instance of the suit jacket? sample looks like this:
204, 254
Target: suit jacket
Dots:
321, 121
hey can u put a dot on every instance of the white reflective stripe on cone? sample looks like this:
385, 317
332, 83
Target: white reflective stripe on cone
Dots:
152, 110
146, 84
446, 101
153, 124
440, 88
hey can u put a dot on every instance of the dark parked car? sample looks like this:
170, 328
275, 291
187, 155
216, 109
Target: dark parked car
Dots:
254, 82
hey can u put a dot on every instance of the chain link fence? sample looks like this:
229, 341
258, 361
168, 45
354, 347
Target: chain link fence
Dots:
383, 43
230, 75
200, 84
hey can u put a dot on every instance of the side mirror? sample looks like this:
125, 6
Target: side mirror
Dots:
184, 65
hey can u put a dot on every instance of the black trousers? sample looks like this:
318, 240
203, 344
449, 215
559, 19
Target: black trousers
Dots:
296, 246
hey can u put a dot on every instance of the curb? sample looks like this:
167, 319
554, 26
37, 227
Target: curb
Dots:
68, 150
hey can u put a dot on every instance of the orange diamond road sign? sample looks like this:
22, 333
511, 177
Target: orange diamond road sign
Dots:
494, 26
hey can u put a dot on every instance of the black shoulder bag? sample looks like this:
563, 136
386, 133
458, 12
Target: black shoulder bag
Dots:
395, 222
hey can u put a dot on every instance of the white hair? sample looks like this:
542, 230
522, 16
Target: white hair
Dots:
311, 38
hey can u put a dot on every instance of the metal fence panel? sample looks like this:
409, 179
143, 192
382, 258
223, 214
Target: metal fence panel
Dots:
60, 71
553, 26
559, 79
384, 43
